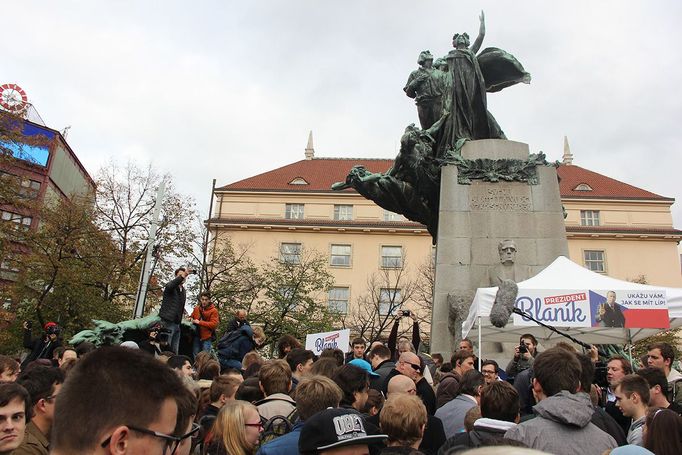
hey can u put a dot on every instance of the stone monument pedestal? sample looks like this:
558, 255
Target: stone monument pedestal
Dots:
473, 220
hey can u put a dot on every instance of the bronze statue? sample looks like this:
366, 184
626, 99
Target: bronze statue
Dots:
425, 85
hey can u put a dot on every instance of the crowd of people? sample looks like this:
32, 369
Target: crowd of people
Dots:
226, 398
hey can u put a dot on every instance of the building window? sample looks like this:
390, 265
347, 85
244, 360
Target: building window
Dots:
293, 211
343, 212
594, 260
290, 253
340, 256
392, 257
589, 217
583, 187
338, 300
29, 188
389, 301
392, 216
22, 222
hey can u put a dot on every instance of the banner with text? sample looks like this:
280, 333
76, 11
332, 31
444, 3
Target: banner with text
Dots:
318, 342
594, 308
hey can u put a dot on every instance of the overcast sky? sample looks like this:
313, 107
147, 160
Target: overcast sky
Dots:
227, 90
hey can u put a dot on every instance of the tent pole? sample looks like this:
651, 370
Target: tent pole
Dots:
630, 346
480, 346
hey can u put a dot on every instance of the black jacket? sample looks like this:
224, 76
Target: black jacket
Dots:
173, 302
425, 392
41, 348
608, 424
383, 370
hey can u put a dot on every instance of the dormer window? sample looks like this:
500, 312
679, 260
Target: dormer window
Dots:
583, 187
298, 181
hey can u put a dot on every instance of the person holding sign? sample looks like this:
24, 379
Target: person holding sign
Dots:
610, 313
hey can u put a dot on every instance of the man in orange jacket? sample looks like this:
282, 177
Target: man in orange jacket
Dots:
205, 317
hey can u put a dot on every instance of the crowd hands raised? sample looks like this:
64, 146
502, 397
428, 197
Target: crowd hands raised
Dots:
385, 398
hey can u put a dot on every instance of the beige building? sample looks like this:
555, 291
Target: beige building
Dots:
612, 227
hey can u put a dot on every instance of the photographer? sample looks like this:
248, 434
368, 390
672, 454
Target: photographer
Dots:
524, 354
43, 347
152, 344
392, 343
173, 306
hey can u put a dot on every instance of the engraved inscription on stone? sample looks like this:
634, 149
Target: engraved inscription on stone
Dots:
500, 200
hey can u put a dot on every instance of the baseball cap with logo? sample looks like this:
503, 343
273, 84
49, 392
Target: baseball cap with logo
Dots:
332, 428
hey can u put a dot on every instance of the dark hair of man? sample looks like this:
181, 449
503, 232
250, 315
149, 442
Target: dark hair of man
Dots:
500, 401
223, 385
663, 431
39, 382
350, 379
324, 367
298, 356
586, 372
358, 340
380, 351
468, 341
210, 370
249, 393
446, 367
8, 364
437, 358
635, 384
286, 341
85, 348
374, 400
491, 362
205, 294
176, 362
335, 354
314, 394
530, 337
58, 352
10, 391
655, 377
624, 363
187, 408
275, 377
178, 270
557, 369
460, 356
471, 381
127, 386
667, 351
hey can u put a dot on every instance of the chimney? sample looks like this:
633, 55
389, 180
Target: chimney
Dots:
567, 159
310, 150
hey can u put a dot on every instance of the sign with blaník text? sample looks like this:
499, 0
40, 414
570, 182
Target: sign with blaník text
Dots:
318, 342
594, 308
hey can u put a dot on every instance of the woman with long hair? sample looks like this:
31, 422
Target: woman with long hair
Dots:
236, 430
663, 432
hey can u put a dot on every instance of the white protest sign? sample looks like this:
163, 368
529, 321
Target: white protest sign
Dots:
318, 342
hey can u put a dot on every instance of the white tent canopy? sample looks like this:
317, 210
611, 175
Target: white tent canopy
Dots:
563, 274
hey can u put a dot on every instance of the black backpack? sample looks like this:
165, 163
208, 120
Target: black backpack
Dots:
277, 426
226, 344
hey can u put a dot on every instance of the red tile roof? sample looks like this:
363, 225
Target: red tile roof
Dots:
602, 186
321, 173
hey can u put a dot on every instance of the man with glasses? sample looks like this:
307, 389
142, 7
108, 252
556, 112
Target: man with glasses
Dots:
43, 384
490, 369
117, 401
408, 364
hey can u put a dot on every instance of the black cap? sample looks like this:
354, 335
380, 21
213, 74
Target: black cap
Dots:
332, 428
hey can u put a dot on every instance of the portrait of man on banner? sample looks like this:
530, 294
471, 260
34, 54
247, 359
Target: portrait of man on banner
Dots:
609, 313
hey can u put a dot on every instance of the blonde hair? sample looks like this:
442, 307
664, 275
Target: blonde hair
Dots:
258, 332
403, 418
229, 428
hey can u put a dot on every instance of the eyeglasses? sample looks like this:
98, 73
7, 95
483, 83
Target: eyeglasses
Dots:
259, 425
488, 371
51, 397
171, 442
195, 429
414, 367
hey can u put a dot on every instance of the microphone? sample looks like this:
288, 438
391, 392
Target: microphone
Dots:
505, 300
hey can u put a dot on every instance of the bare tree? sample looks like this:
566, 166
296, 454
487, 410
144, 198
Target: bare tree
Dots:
125, 202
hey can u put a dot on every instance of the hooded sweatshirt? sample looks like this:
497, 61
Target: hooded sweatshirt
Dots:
562, 427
